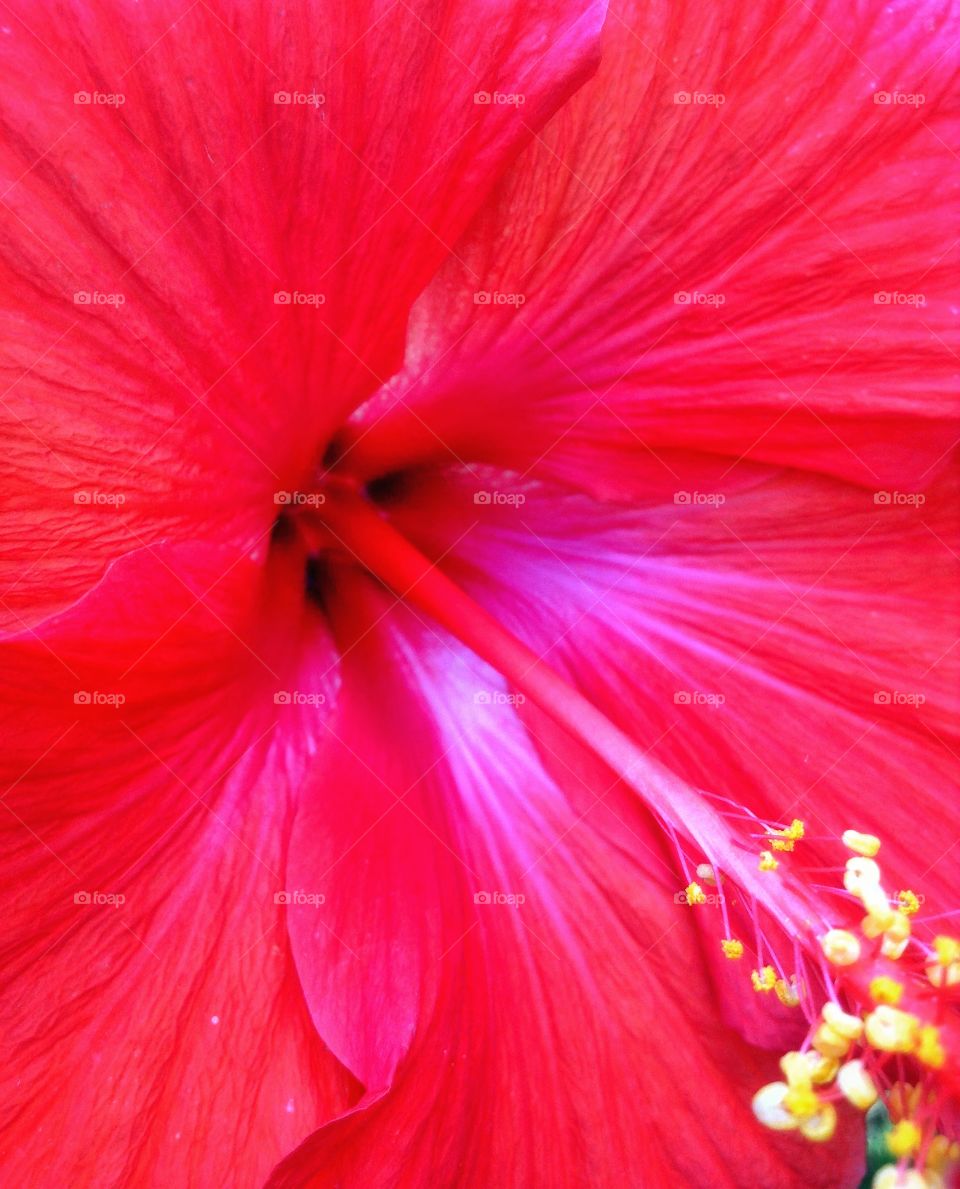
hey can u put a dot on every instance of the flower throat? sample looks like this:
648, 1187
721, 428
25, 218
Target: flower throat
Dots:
879, 1003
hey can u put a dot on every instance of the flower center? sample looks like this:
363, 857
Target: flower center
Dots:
895, 1023
349, 521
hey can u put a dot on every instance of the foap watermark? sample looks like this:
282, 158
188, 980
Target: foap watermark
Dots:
295, 297
897, 697
99, 99
699, 98
497, 697
507, 498
899, 98
299, 499
299, 98
893, 297
93, 297
96, 697
705, 498
299, 896
113, 899
499, 99
493, 297
899, 499
99, 499
298, 697
512, 898
703, 898
697, 697
694, 297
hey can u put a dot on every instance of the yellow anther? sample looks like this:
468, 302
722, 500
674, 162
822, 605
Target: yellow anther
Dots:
896, 937
796, 1069
942, 976
872, 927
841, 947
785, 839
732, 948
845, 1025
801, 1101
822, 1125
884, 919
856, 1085
787, 992
767, 861
891, 1030
824, 1069
695, 894
861, 844
769, 1109
900, 928
904, 1138
830, 1043
875, 900
893, 949
860, 873
944, 969
947, 950
764, 980
886, 990
929, 1050
908, 901
809, 1068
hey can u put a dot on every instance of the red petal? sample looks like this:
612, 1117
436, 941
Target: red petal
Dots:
197, 200
162, 1038
794, 203
791, 649
570, 1038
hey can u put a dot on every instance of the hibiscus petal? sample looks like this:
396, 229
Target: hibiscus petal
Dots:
763, 272
500, 1042
170, 1021
159, 201
791, 650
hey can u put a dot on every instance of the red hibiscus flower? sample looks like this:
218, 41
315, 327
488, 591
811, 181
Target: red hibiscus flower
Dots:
478, 593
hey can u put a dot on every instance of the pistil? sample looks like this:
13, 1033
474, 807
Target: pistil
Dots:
372, 541
847, 1053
